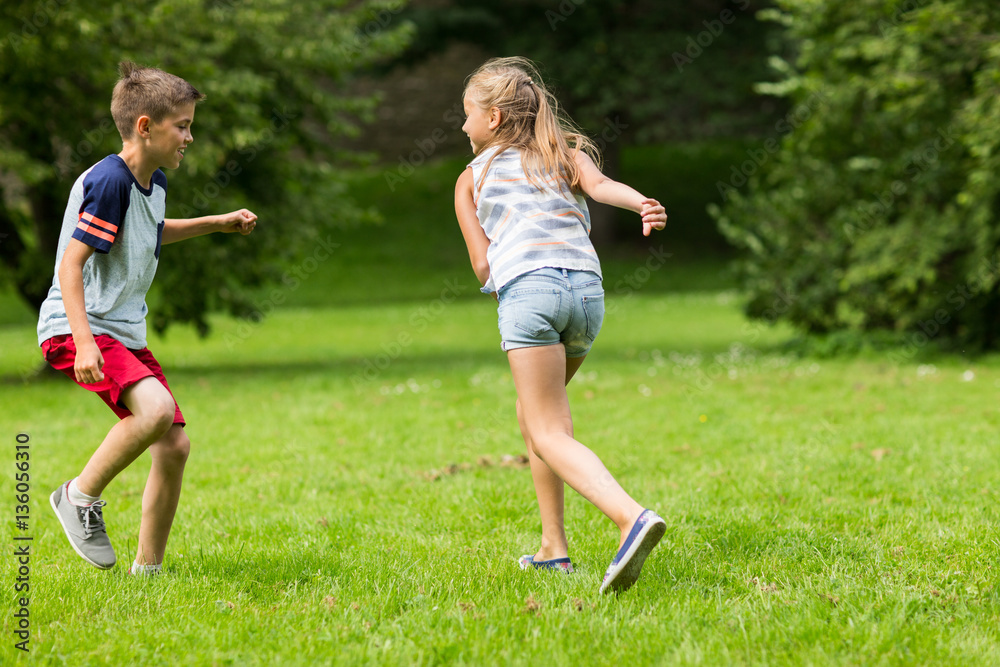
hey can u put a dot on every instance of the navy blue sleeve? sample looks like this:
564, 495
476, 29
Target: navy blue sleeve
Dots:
105, 201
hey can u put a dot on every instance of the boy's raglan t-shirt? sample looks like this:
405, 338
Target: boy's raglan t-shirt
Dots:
109, 211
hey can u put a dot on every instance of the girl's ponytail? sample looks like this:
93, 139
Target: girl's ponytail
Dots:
530, 120
557, 140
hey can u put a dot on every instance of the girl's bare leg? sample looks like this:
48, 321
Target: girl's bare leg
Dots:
540, 376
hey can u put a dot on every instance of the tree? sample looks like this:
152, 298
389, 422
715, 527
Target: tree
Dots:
628, 71
879, 212
271, 69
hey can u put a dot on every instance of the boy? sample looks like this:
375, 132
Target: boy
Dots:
92, 325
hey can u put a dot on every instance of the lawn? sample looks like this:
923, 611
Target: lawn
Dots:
354, 497
818, 511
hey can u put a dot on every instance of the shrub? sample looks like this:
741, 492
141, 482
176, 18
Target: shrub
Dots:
879, 211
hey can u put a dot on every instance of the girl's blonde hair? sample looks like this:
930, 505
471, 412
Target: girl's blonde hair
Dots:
530, 120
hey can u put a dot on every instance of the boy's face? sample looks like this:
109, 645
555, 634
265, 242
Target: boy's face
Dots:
169, 137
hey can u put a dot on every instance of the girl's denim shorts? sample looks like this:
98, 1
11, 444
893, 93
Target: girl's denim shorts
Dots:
549, 306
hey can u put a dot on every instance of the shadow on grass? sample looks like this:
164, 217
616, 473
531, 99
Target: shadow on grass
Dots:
40, 373
373, 368
347, 366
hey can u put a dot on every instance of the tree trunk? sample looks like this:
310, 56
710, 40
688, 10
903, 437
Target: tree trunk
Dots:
47, 201
991, 315
11, 246
18, 260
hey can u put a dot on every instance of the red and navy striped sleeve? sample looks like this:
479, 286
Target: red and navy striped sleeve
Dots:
105, 201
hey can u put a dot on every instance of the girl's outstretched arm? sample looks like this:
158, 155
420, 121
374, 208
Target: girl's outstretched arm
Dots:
602, 189
475, 238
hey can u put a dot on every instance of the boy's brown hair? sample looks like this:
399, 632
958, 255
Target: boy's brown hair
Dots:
147, 91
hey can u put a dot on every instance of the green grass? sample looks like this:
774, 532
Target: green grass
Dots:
345, 501
823, 512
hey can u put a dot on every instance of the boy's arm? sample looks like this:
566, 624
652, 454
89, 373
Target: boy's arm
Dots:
475, 238
89, 360
602, 189
242, 221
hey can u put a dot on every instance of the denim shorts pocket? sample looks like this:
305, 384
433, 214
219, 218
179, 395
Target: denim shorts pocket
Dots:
534, 309
590, 283
593, 308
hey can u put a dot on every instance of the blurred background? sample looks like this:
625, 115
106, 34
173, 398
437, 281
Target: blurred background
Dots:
833, 162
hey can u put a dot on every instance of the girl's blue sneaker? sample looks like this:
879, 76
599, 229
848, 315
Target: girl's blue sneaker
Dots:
561, 564
625, 568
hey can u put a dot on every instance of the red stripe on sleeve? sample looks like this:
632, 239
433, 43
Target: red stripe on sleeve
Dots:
94, 220
95, 231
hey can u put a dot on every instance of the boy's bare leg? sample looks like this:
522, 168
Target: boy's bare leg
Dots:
163, 491
549, 488
539, 376
152, 409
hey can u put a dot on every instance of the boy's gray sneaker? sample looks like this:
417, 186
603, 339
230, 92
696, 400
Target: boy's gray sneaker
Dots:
84, 527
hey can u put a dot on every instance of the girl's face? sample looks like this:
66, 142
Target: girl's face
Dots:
479, 124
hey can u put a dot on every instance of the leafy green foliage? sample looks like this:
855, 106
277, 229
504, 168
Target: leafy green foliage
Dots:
633, 72
879, 211
645, 69
265, 138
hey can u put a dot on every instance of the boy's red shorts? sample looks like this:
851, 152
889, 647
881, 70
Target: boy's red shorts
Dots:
122, 369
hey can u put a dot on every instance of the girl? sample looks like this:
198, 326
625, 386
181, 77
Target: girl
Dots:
521, 209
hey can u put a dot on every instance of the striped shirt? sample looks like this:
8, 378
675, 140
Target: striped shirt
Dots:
529, 228
123, 222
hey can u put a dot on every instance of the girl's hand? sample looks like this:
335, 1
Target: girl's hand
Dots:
654, 216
